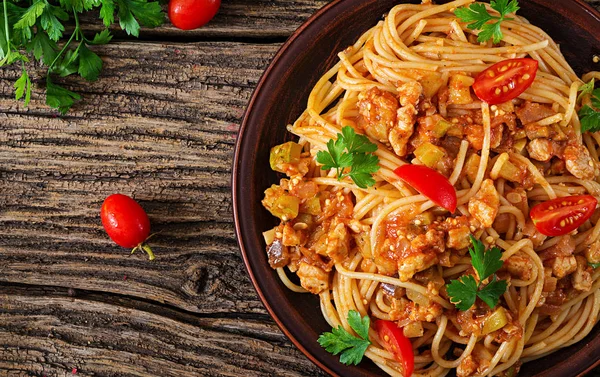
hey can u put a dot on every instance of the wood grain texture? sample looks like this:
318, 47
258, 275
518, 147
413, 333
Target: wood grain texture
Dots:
159, 125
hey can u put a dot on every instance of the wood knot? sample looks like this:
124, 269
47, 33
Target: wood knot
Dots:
195, 282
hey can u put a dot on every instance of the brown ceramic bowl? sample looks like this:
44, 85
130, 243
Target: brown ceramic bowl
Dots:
280, 98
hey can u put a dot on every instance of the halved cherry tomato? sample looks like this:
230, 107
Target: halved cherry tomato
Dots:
429, 183
397, 344
505, 80
191, 14
562, 215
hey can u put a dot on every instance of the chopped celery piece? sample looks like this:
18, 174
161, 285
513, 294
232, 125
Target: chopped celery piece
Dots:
413, 329
429, 154
510, 172
440, 129
280, 204
417, 297
312, 206
269, 236
472, 167
425, 218
286, 207
495, 321
520, 145
287, 153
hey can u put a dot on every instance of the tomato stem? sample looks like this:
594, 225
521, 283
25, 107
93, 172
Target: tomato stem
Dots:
146, 248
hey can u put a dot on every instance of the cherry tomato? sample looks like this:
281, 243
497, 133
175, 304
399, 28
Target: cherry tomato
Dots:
560, 216
505, 80
397, 344
126, 222
191, 14
429, 183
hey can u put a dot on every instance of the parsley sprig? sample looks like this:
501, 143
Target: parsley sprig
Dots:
480, 19
594, 265
590, 115
32, 28
339, 340
354, 151
464, 291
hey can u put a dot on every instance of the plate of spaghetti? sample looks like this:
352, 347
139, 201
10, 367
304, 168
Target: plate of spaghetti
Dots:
416, 188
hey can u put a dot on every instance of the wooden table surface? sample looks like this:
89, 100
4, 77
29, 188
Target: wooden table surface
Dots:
160, 125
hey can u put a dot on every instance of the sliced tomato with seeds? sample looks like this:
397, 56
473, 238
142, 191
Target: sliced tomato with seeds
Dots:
397, 344
560, 216
505, 80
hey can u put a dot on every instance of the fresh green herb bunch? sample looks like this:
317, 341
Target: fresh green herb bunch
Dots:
464, 291
32, 28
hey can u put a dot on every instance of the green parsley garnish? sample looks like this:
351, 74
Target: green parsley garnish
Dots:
353, 151
339, 340
464, 291
31, 30
479, 19
594, 265
590, 115
587, 88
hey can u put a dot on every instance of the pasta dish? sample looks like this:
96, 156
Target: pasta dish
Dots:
440, 197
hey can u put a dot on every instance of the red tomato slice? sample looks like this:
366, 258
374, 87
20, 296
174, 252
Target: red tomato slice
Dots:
562, 215
396, 343
429, 183
505, 80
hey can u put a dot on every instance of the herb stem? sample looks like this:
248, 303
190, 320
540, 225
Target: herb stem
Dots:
66, 44
4, 2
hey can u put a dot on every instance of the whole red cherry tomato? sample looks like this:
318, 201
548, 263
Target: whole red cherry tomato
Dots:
126, 222
191, 14
397, 344
560, 216
505, 80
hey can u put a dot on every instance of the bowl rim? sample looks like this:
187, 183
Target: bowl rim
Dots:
275, 61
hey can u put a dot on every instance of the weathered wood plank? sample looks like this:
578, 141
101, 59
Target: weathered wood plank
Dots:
159, 125
49, 332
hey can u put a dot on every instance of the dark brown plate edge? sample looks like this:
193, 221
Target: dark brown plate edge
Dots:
234, 182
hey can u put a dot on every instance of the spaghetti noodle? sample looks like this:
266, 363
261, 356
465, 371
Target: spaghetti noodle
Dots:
388, 252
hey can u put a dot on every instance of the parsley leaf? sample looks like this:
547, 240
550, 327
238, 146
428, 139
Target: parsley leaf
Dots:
90, 64
490, 294
485, 263
102, 38
60, 98
43, 48
50, 21
587, 88
363, 166
107, 12
31, 15
352, 348
23, 87
478, 18
590, 116
356, 143
464, 291
148, 14
594, 265
353, 151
